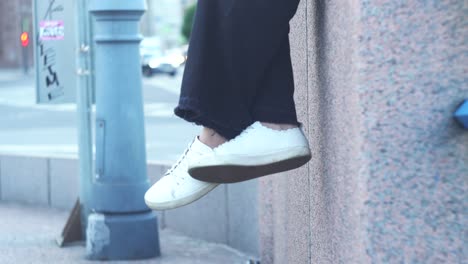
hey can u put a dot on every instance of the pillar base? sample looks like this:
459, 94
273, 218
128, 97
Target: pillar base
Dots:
122, 236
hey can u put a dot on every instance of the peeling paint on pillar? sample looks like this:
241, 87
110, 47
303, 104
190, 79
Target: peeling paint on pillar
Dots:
99, 232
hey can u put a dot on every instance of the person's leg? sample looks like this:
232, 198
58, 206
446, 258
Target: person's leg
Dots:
258, 60
239, 69
274, 101
211, 138
238, 72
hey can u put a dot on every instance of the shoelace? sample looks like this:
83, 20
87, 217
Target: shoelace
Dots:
179, 177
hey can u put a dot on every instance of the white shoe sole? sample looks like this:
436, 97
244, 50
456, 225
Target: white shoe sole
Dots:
236, 168
179, 202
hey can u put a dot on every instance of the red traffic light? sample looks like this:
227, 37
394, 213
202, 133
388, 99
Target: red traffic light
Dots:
24, 39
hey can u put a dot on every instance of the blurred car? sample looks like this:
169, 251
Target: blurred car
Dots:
157, 65
177, 55
156, 61
184, 50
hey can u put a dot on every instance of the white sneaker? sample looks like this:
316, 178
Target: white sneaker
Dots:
256, 152
176, 188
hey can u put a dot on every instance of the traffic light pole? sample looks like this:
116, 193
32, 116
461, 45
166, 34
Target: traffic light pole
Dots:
24, 38
25, 61
120, 226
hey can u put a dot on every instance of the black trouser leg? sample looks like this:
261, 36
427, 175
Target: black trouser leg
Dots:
239, 67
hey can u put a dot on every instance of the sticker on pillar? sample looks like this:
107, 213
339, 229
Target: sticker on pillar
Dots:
51, 30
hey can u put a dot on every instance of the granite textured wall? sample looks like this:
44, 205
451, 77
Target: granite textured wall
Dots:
412, 75
377, 84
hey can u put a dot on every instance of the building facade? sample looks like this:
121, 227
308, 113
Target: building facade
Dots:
15, 16
163, 18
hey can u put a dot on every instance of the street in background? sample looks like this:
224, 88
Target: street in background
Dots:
156, 60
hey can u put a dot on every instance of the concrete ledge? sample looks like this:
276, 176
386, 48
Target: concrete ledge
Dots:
64, 182
227, 215
206, 218
25, 179
242, 206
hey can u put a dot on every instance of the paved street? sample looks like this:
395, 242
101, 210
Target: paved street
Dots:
24, 240
32, 129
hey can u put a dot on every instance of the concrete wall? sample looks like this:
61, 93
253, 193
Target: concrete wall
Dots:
227, 215
377, 84
39, 180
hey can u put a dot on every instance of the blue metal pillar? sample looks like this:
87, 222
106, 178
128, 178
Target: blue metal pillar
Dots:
121, 225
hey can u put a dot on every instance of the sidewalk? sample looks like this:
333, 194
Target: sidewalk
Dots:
27, 235
13, 74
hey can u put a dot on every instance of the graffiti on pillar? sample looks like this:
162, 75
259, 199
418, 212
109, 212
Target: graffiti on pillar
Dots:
50, 29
